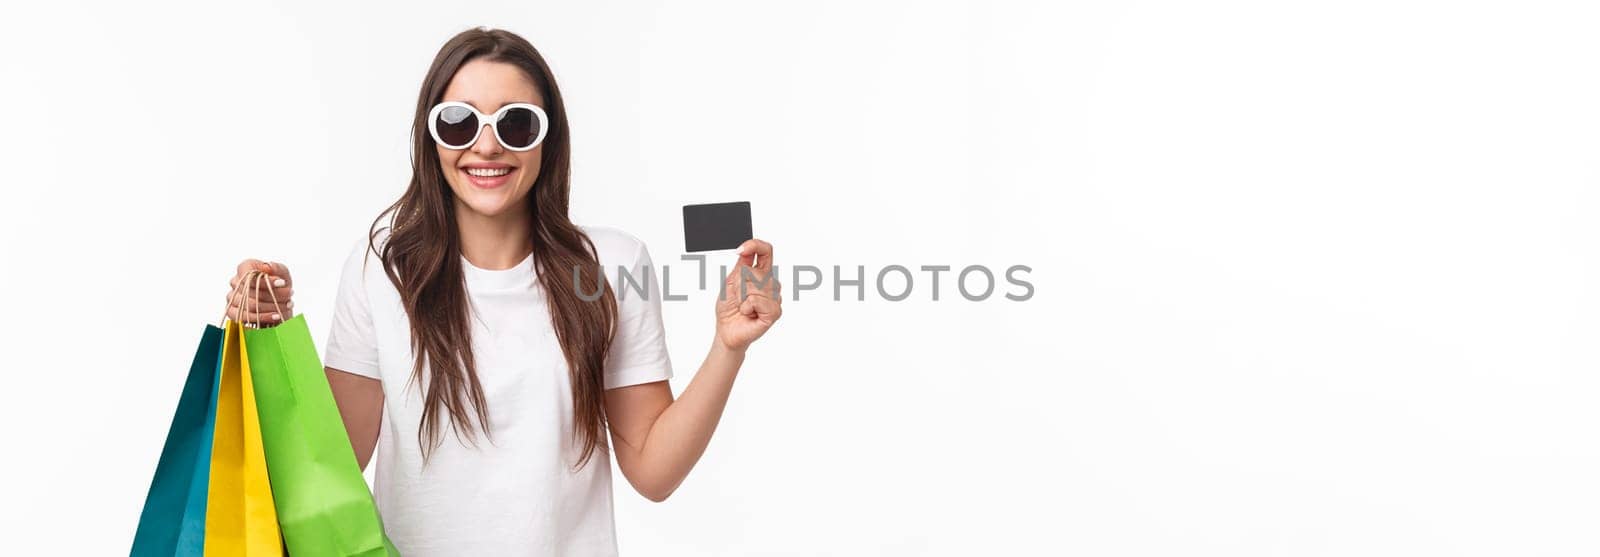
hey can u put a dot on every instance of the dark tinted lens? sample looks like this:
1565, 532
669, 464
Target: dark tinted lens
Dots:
518, 128
455, 126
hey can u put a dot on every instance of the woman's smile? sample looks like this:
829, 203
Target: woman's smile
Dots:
487, 175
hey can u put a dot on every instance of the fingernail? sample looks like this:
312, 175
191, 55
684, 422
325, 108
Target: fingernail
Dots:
279, 282
276, 317
290, 304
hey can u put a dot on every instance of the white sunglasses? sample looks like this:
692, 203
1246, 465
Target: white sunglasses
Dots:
518, 126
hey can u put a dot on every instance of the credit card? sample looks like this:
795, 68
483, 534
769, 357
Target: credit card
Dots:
716, 226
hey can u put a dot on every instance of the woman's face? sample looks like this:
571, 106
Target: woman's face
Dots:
487, 178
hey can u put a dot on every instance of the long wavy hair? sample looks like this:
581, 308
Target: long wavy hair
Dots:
422, 257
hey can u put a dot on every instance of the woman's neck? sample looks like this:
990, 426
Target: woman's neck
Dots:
494, 242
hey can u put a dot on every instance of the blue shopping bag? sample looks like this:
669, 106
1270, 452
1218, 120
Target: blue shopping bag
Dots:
173, 522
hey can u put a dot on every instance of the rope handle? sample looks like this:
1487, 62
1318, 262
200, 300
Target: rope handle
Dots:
255, 293
237, 296
233, 296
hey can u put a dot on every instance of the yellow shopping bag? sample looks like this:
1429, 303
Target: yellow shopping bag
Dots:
240, 518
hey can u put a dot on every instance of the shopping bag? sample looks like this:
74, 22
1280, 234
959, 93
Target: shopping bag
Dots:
241, 520
324, 505
173, 522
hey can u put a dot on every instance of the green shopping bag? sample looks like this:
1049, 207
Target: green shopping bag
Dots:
173, 522
324, 505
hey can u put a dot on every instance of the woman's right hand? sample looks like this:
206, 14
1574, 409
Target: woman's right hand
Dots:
252, 304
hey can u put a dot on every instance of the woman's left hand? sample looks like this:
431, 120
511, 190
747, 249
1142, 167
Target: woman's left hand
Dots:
752, 299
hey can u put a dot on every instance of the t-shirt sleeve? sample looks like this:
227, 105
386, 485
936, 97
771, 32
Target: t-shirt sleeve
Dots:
352, 339
639, 349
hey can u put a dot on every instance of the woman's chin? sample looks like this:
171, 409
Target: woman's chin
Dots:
487, 204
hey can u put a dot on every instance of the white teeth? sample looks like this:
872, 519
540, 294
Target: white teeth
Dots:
488, 172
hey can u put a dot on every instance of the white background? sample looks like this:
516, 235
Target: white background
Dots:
1313, 278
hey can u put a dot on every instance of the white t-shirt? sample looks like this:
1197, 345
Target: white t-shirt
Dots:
520, 495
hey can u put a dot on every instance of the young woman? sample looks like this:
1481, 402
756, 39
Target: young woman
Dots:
463, 348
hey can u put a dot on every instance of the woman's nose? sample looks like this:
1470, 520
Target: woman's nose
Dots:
488, 143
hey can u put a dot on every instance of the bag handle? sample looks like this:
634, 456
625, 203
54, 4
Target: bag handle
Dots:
255, 294
255, 280
234, 295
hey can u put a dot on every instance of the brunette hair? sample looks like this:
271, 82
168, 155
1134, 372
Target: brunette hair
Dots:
422, 257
